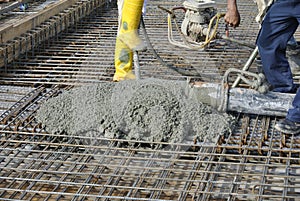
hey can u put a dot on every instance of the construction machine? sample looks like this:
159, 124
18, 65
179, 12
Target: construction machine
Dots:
199, 27
197, 31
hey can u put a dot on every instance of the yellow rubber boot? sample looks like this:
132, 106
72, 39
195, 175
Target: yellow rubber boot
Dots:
130, 20
123, 62
128, 39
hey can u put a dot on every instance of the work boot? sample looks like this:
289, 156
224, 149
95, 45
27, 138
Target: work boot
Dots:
130, 20
292, 90
288, 127
126, 76
123, 62
127, 40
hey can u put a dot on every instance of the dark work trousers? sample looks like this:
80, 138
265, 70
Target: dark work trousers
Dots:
279, 24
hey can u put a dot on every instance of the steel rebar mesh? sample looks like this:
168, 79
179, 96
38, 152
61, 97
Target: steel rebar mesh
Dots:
47, 167
84, 53
253, 163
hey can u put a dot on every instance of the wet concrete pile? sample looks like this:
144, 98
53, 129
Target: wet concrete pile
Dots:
148, 110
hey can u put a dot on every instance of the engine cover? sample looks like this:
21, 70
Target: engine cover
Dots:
197, 18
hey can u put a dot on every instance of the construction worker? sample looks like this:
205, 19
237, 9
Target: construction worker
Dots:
279, 25
263, 6
128, 40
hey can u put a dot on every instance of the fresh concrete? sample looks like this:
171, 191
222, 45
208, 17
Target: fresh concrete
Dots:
148, 110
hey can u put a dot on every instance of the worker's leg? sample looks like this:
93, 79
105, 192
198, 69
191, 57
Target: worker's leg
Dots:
291, 124
127, 39
123, 62
294, 113
277, 28
128, 32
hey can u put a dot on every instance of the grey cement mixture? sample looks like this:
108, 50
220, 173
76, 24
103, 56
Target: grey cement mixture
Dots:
148, 110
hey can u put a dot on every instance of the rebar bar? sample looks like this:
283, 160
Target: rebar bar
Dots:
254, 162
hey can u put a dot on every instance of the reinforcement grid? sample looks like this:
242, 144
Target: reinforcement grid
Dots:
255, 162
12, 11
84, 53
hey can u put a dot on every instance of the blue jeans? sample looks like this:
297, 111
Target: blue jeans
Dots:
280, 23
